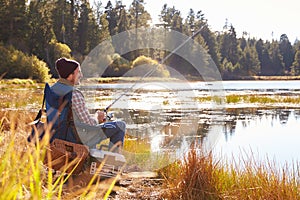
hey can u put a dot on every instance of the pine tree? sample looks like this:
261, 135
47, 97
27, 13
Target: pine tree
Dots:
295, 70
65, 16
13, 23
229, 48
249, 62
287, 52
88, 31
41, 28
277, 63
111, 17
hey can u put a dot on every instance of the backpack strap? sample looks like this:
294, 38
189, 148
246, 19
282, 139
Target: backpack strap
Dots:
36, 121
72, 125
65, 102
40, 113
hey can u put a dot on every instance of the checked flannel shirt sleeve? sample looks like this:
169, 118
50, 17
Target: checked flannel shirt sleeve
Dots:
79, 106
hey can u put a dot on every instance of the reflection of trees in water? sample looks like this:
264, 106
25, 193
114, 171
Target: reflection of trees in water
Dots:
229, 128
191, 126
246, 115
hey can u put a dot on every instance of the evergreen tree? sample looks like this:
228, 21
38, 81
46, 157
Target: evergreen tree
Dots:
139, 17
65, 16
88, 32
123, 22
83, 29
41, 29
171, 18
13, 23
287, 52
165, 15
229, 48
277, 63
209, 38
243, 43
295, 70
249, 62
190, 22
104, 27
259, 46
266, 62
112, 18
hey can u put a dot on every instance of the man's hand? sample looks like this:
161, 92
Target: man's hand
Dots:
100, 116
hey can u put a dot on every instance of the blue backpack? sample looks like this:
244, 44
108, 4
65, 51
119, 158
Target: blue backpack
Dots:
59, 118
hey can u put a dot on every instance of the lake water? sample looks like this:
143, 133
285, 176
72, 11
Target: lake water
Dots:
169, 117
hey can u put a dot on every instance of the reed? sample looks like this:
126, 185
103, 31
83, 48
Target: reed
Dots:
23, 175
17, 97
17, 81
258, 99
203, 176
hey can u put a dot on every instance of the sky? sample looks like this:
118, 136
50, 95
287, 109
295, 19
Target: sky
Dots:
261, 19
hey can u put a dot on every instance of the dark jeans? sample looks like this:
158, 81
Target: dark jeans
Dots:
115, 131
93, 135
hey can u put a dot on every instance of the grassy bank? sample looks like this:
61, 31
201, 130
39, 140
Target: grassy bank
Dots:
23, 176
261, 99
101, 80
199, 176
204, 176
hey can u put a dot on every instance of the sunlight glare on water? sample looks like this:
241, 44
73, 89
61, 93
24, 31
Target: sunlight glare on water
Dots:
241, 129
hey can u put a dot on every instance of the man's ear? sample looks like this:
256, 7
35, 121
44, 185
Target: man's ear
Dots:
70, 77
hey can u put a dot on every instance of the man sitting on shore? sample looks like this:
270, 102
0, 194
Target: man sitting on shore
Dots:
91, 129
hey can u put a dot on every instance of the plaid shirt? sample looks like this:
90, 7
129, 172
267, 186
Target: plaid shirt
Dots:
79, 106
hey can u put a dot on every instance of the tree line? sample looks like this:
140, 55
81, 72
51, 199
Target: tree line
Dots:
37, 32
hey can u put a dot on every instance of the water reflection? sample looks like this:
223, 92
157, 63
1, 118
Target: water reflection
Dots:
269, 132
272, 134
171, 120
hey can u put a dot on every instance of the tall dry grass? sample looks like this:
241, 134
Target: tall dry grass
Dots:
23, 175
204, 176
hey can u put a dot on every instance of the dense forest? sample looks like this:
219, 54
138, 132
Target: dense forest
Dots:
33, 34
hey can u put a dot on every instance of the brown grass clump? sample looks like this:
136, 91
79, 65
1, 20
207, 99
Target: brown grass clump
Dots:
192, 178
199, 176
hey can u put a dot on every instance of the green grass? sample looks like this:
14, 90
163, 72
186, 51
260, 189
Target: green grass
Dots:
137, 152
17, 81
22, 82
253, 99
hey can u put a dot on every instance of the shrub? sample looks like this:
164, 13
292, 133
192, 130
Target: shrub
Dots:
57, 50
143, 65
118, 67
16, 64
